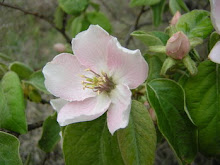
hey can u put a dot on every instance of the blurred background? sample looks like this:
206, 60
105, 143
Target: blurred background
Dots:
32, 40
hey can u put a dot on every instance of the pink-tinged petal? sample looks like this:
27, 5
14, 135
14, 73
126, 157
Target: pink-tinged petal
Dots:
90, 47
119, 111
57, 104
62, 78
215, 14
214, 55
127, 66
86, 110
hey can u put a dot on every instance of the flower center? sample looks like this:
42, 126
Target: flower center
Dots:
99, 83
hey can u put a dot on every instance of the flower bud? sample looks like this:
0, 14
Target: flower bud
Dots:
59, 47
178, 46
175, 18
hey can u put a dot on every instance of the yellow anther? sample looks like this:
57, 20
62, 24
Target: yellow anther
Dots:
82, 76
103, 73
88, 69
104, 79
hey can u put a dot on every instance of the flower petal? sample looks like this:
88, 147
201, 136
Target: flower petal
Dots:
62, 78
119, 111
215, 14
86, 110
57, 104
90, 47
127, 66
214, 55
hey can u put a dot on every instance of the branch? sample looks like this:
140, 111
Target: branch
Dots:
135, 26
35, 125
30, 128
113, 14
62, 31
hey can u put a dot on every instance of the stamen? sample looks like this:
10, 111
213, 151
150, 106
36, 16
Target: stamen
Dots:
99, 83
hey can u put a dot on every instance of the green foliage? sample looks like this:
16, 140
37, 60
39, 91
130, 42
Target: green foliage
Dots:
168, 100
134, 3
147, 38
9, 150
91, 143
50, 136
99, 19
195, 24
58, 17
214, 38
73, 6
37, 80
3, 69
203, 100
155, 63
137, 142
177, 5
158, 12
95, 5
22, 70
12, 115
76, 26
34, 96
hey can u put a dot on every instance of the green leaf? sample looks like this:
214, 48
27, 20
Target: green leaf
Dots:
34, 96
3, 69
12, 108
196, 23
90, 143
9, 150
22, 70
168, 100
214, 38
73, 6
76, 26
58, 17
203, 103
155, 63
98, 18
177, 5
37, 80
147, 38
137, 142
158, 12
50, 136
161, 35
96, 6
134, 3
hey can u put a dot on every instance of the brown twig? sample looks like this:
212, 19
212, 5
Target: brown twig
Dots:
44, 102
35, 125
62, 31
113, 14
30, 128
135, 26
10, 132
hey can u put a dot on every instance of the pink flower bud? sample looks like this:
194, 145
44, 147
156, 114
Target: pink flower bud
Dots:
175, 18
59, 47
178, 46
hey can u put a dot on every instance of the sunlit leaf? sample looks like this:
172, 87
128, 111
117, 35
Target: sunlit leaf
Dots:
12, 108
9, 149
